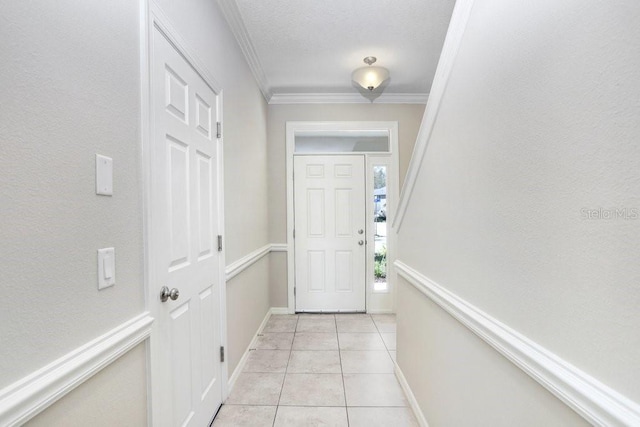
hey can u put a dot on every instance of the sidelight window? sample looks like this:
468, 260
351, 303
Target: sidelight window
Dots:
380, 228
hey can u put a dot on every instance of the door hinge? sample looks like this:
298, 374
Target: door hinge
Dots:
218, 130
221, 353
294, 291
294, 233
219, 243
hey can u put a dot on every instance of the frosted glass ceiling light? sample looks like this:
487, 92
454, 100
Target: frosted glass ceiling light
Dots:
370, 77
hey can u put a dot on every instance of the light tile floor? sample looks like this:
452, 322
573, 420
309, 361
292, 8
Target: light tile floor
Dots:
320, 370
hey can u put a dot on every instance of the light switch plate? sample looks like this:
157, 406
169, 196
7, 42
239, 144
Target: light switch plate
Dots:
104, 175
106, 268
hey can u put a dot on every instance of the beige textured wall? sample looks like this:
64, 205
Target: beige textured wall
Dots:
539, 121
247, 305
278, 279
115, 396
460, 380
70, 89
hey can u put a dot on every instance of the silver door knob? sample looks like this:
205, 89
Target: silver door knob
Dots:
165, 294
361, 242
360, 231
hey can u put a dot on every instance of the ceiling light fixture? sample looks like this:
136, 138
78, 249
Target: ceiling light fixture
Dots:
370, 77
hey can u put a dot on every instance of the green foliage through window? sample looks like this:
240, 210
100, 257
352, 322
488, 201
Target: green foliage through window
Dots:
380, 266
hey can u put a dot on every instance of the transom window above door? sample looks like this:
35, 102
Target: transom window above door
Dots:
341, 141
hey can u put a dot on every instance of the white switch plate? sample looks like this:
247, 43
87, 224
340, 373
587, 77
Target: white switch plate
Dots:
106, 268
104, 175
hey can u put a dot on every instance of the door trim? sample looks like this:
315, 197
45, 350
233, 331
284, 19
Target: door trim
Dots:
153, 18
291, 128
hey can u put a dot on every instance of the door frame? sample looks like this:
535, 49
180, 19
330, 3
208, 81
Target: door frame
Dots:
392, 128
152, 18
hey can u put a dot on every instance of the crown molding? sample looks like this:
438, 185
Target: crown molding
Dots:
347, 98
234, 19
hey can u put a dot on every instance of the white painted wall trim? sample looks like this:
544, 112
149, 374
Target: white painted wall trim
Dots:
238, 266
596, 402
252, 345
236, 24
279, 247
347, 98
291, 128
245, 262
455, 33
413, 402
380, 310
27, 397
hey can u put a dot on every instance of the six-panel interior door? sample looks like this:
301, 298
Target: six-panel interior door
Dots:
185, 383
330, 234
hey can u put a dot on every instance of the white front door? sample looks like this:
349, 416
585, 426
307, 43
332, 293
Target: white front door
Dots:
330, 233
185, 364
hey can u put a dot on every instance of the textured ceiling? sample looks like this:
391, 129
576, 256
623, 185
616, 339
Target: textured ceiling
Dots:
311, 46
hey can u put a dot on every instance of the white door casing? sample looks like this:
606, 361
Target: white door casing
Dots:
330, 228
377, 302
186, 386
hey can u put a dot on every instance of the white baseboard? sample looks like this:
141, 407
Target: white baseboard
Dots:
596, 402
279, 310
285, 310
252, 344
381, 311
413, 402
24, 399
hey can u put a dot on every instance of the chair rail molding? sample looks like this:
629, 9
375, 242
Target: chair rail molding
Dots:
279, 247
238, 266
594, 401
27, 397
246, 261
456, 31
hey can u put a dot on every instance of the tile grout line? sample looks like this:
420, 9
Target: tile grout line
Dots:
383, 341
286, 369
335, 329
344, 388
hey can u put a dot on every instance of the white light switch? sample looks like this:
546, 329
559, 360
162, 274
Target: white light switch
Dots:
104, 175
106, 267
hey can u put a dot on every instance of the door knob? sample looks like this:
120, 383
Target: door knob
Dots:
361, 242
165, 294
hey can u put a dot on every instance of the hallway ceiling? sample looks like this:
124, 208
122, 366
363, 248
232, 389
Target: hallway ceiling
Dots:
311, 46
